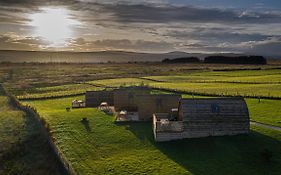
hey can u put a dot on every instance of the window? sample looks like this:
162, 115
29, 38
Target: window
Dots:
215, 108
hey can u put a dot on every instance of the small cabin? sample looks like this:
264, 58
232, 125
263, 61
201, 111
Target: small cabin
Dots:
203, 117
95, 98
156, 103
78, 104
125, 98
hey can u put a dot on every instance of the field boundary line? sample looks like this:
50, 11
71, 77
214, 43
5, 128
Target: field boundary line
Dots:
45, 129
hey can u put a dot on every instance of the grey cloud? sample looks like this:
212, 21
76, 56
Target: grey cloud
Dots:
270, 46
164, 14
217, 35
24, 43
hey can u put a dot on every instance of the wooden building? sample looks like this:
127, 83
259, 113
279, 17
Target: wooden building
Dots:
156, 103
95, 98
125, 98
204, 117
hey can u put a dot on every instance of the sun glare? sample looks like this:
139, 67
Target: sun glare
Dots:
53, 24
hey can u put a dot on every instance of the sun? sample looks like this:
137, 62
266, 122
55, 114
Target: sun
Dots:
53, 24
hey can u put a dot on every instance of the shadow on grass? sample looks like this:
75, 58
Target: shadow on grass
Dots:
240, 154
86, 125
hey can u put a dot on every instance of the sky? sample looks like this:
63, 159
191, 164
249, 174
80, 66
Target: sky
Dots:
194, 26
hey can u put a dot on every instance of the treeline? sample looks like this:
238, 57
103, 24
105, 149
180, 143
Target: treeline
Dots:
182, 60
236, 60
220, 60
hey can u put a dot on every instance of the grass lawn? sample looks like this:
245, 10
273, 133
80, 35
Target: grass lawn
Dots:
23, 147
267, 111
103, 147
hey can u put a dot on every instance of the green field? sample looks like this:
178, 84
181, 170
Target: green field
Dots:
248, 90
103, 147
23, 147
267, 111
57, 91
25, 79
255, 83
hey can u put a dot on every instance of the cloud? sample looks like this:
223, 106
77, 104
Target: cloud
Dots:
163, 14
271, 46
15, 42
150, 26
145, 12
215, 35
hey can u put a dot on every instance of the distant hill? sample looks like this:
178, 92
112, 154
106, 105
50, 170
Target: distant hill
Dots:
95, 57
85, 57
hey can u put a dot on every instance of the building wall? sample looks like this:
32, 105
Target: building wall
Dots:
126, 98
95, 98
214, 117
159, 103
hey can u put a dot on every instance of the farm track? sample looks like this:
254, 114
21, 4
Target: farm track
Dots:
276, 128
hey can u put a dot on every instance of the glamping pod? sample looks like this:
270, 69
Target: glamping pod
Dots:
204, 117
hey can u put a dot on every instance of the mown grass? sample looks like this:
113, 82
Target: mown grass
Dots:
23, 147
265, 111
103, 147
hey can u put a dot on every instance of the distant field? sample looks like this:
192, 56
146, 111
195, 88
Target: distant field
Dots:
21, 79
254, 83
57, 91
23, 148
253, 90
121, 82
258, 79
103, 147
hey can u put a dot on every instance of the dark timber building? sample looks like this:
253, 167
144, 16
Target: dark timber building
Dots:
125, 98
157, 103
95, 98
204, 117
